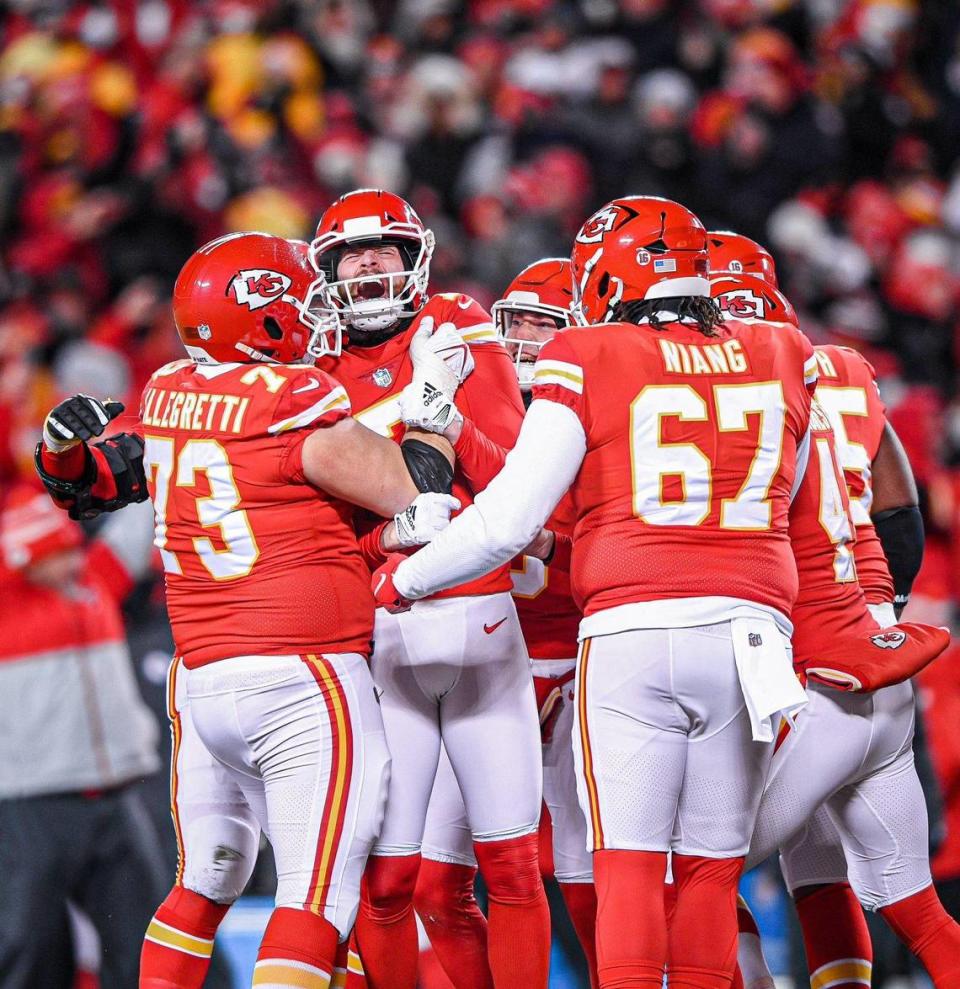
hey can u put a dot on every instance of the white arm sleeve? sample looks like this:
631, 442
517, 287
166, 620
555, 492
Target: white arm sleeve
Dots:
803, 458
509, 512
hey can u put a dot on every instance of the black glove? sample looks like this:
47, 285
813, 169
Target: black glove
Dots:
78, 418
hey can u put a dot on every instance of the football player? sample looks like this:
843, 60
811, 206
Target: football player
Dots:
679, 435
536, 304
865, 771
253, 463
454, 668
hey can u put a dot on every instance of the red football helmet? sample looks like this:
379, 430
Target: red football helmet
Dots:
544, 288
372, 216
734, 254
750, 298
240, 299
637, 247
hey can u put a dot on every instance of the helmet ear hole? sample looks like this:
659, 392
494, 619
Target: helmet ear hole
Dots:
273, 328
603, 284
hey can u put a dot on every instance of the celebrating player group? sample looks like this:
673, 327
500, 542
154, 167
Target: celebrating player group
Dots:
629, 549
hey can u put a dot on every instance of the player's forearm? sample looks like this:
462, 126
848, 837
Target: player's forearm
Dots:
68, 465
509, 513
901, 535
895, 515
82, 469
490, 397
478, 457
371, 546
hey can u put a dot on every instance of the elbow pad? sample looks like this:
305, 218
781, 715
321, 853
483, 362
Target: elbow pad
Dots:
901, 534
428, 467
122, 455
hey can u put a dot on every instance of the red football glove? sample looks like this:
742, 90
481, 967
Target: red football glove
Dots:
879, 659
384, 593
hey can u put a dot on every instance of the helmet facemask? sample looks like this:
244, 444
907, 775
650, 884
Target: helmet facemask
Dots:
527, 351
326, 327
398, 295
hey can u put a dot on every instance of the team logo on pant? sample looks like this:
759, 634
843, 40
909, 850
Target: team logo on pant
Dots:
258, 287
889, 640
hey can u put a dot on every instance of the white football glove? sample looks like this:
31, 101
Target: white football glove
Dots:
440, 356
426, 516
423, 406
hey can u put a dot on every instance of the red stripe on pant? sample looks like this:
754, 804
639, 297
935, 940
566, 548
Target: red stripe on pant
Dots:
591, 783
176, 732
338, 788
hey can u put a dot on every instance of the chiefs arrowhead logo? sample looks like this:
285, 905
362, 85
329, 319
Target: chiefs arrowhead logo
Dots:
889, 640
742, 304
603, 222
258, 287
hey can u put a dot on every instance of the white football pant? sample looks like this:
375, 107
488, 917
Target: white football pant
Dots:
456, 670
663, 743
843, 800
447, 836
292, 745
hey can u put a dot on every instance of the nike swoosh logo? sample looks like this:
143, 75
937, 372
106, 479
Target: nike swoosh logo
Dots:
489, 629
308, 387
464, 303
380, 583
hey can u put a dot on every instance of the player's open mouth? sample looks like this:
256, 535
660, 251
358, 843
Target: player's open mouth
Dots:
372, 289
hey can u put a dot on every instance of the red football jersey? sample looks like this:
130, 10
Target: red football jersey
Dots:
691, 454
830, 604
257, 560
490, 396
549, 619
847, 391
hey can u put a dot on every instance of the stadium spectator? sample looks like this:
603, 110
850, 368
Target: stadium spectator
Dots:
76, 736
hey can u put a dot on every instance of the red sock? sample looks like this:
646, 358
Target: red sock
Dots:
930, 933
386, 928
581, 901
705, 888
445, 903
835, 935
179, 941
347, 968
297, 949
518, 933
631, 923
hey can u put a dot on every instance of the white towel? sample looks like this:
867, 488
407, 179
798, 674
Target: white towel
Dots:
769, 685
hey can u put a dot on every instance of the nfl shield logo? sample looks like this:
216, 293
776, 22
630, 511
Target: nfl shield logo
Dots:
382, 378
204, 331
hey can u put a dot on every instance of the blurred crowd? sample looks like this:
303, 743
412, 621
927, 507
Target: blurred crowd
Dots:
132, 132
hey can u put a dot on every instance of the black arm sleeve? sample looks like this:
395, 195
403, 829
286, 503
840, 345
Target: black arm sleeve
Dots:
429, 468
901, 535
